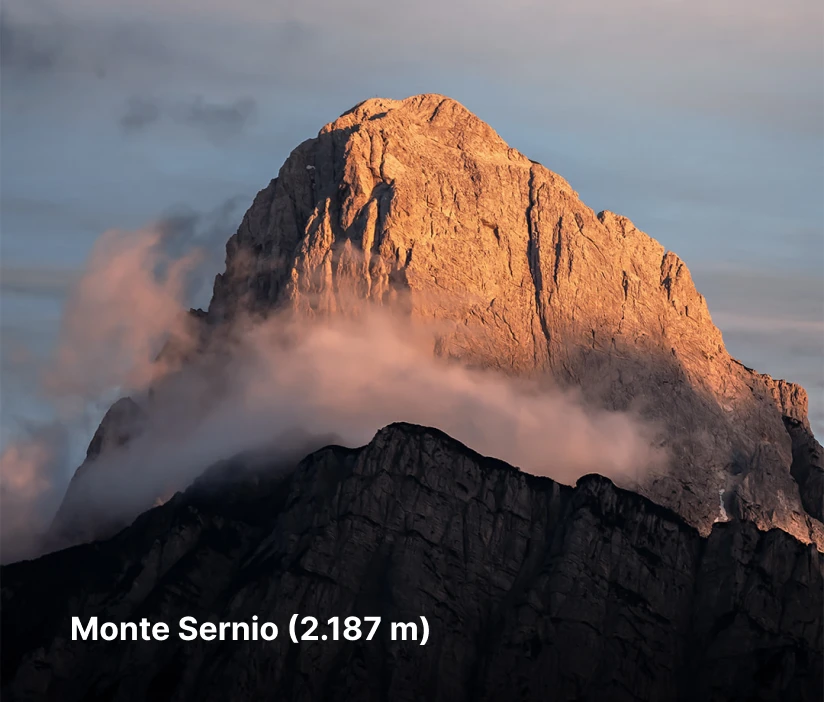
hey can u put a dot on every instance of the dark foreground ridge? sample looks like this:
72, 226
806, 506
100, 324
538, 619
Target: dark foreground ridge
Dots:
532, 590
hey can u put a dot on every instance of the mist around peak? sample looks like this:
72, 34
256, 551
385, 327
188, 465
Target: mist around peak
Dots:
279, 387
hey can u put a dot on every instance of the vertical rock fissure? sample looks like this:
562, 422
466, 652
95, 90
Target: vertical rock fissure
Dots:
534, 259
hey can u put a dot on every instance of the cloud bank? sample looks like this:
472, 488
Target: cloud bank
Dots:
279, 386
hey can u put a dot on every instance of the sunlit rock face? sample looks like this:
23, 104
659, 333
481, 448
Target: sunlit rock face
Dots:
420, 205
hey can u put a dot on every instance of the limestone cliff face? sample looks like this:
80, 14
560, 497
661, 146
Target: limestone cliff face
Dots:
532, 590
420, 204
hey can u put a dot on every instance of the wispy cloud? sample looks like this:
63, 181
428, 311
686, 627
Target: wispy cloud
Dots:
220, 120
39, 281
279, 381
43, 38
27, 48
756, 61
773, 321
768, 324
139, 114
764, 292
217, 120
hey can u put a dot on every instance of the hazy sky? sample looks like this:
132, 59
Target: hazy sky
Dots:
702, 121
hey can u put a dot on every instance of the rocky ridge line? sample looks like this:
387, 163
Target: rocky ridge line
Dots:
533, 590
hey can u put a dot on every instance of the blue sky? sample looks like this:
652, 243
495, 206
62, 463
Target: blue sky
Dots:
701, 121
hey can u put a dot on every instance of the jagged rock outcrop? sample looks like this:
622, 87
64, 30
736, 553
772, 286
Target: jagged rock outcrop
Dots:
807, 467
532, 590
420, 205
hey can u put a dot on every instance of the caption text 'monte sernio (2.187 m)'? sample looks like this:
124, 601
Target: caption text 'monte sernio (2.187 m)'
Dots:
300, 629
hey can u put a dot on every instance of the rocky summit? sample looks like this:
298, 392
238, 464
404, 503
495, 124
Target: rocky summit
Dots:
420, 205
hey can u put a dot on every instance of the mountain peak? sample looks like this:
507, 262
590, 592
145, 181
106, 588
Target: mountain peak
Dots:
420, 203
429, 108
420, 207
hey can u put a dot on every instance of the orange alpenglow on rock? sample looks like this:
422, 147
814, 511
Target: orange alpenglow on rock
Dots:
419, 205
